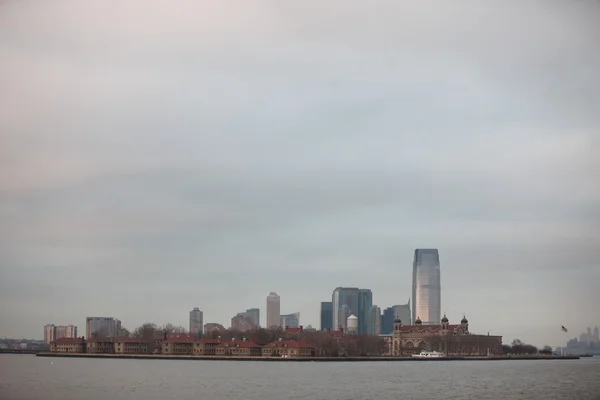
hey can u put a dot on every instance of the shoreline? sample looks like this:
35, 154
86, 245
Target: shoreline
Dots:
299, 359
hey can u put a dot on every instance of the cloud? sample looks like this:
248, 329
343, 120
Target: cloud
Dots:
204, 155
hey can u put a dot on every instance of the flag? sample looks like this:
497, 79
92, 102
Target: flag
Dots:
563, 328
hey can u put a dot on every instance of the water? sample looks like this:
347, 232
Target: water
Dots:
26, 377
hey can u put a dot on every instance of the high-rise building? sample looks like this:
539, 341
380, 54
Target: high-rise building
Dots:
102, 327
53, 332
351, 301
390, 314
273, 310
374, 322
241, 322
326, 315
596, 334
365, 302
254, 315
344, 303
290, 320
426, 290
196, 322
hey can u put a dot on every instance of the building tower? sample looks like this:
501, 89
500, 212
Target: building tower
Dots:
326, 315
426, 289
273, 310
196, 322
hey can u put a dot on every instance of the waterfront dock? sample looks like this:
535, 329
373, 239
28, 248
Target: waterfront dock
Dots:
302, 359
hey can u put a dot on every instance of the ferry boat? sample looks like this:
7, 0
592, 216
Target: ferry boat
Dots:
429, 354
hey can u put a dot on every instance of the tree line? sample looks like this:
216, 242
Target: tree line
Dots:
324, 343
518, 347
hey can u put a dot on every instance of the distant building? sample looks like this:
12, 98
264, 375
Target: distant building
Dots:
273, 310
365, 302
426, 290
326, 315
344, 302
102, 327
53, 332
196, 322
348, 301
241, 322
254, 315
374, 322
399, 311
290, 320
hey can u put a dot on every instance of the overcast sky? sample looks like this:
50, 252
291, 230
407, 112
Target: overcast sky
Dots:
156, 158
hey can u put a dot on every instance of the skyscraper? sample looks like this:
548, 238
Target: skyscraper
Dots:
399, 311
351, 301
102, 327
254, 315
326, 315
273, 310
344, 303
374, 322
426, 290
290, 320
196, 322
365, 302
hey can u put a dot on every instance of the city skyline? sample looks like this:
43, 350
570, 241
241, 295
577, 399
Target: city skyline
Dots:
206, 156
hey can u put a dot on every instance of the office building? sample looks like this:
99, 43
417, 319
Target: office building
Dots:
290, 320
53, 332
374, 321
426, 290
351, 301
102, 327
273, 310
390, 314
365, 302
344, 303
254, 315
196, 322
326, 315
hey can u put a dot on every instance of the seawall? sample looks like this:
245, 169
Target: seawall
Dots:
303, 359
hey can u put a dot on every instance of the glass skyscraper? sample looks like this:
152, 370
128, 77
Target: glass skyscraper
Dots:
426, 290
326, 315
351, 301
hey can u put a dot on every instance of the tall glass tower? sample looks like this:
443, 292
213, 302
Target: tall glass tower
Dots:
426, 290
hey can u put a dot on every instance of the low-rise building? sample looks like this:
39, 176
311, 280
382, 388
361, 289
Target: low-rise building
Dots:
68, 345
288, 348
180, 344
100, 346
238, 348
131, 346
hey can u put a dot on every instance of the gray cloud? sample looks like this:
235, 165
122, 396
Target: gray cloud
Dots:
158, 158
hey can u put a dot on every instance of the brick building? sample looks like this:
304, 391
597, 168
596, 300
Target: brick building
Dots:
450, 339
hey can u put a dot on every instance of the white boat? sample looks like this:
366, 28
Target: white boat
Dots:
429, 354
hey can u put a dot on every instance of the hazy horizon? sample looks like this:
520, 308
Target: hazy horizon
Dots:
157, 158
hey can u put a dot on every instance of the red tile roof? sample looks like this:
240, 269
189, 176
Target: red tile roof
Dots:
336, 334
290, 343
210, 340
180, 338
430, 328
128, 340
239, 343
65, 340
